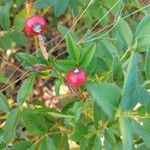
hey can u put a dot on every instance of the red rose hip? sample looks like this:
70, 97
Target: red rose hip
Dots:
76, 77
35, 25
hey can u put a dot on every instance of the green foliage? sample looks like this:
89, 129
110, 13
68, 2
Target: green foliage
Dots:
47, 143
24, 145
87, 56
142, 34
141, 132
34, 122
111, 110
74, 6
80, 130
65, 65
147, 64
126, 132
72, 48
64, 32
58, 83
40, 4
60, 7
28, 60
25, 89
117, 70
5, 42
124, 34
3, 103
11, 124
106, 101
19, 38
5, 17
130, 87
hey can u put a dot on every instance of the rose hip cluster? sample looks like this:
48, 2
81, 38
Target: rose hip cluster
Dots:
36, 25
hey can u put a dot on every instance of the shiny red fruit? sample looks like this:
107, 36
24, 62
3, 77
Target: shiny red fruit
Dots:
35, 25
76, 77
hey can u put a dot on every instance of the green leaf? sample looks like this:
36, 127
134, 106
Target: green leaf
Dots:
4, 79
41, 60
142, 132
74, 109
117, 70
3, 103
142, 44
58, 83
31, 147
1, 11
97, 143
47, 144
147, 64
64, 31
52, 1
106, 50
146, 124
129, 93
87, 55
144, 97
74, 5
87, 142
19, 20
11, 124
84, 143
19, 38
72, 48
79, 131
19, 24
40, 4
110, 137
25, 90
59, 115
143, 34
56, 139
63, 145
3, 146
5, 42
60, 7
27, 59
53, 113
35, 122
110, 4
126, 132
5, 18
143, 27
141, 111
141, 147
19, 3
106, 96
98, 65
99, 114
23, 145
65, 65
124, 34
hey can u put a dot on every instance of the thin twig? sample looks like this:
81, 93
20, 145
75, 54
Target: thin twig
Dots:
112, 24
53, 49
90, 30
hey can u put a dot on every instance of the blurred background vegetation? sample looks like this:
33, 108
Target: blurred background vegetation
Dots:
102, 13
